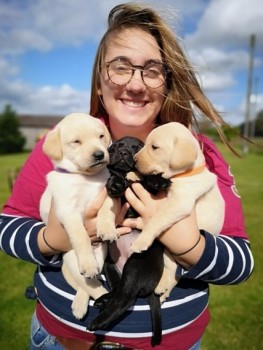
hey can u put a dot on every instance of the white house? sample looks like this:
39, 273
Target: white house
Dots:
33, 127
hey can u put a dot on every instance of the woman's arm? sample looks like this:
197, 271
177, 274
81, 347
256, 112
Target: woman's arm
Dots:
19, 239
21, 225
226, 259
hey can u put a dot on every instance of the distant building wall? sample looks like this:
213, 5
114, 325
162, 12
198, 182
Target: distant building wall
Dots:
32, 135
33, 127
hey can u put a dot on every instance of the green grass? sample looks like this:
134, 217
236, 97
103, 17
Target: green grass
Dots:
15, 276
237, 321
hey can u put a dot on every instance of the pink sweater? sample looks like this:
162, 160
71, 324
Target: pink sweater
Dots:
226, 260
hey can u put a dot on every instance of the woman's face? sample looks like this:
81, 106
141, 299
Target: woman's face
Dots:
133, 107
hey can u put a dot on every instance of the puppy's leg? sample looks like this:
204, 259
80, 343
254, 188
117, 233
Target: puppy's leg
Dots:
178, 206
85, 287
94, 289
80, 304
168, 280
81, 244
106, 229
182, 197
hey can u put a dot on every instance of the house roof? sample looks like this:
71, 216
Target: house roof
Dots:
39, 121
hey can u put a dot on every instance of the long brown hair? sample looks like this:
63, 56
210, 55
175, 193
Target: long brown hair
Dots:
184, 96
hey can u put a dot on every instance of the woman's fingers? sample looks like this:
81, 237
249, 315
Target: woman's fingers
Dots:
134, 201
140, 191
133, 223
121, 214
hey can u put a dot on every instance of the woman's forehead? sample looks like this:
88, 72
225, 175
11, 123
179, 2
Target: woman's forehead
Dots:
133, 43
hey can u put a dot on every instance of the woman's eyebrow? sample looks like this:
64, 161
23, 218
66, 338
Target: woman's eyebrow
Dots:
125, 58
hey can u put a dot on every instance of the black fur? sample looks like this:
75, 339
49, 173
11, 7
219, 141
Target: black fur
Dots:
142, 271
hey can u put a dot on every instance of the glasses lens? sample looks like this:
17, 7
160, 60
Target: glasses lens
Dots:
154, 75
119, 72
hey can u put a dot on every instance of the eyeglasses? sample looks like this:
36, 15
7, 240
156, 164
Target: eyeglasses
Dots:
120, 72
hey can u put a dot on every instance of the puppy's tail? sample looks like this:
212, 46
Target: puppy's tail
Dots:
113, 310
155, 307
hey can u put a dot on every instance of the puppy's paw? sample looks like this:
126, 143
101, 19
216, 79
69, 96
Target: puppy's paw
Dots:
88, 267
79, 306
132, 176
141, 244
164, 296
107, 232
160, 289
109, 236
102, 302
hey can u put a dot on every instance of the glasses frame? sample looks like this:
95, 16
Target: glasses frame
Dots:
134, 68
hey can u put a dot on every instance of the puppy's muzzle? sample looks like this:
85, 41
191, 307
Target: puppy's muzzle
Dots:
124, 160
98, 158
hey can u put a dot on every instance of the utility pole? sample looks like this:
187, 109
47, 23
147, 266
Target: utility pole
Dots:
254, 110
249, 84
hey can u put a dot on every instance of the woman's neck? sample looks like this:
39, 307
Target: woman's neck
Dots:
139, 132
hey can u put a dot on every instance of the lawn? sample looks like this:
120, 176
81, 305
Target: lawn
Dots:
237, 321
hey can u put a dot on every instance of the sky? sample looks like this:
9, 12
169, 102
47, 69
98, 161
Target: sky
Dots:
47, 48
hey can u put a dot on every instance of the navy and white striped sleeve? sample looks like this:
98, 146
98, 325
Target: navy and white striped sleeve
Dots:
18, 238
225, 260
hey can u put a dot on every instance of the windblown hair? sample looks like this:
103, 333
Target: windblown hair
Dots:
184, 98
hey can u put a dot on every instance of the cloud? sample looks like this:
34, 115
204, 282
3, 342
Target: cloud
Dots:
26, 98
216, 38
226, 23
7, 68
43, 24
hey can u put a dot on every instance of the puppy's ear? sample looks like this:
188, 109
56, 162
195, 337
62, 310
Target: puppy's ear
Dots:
184, 154
52, 145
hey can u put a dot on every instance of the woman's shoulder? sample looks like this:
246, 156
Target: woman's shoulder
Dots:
214, 159
30, 184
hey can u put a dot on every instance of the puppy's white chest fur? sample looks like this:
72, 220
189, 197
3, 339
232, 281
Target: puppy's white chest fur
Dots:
75, 191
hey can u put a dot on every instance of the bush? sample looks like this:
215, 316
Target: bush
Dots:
11, 139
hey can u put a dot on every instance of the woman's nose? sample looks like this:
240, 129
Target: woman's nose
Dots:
136, 83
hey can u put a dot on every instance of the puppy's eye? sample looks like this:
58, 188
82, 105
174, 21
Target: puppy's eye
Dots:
76, 142
154, 147
135, 148
102, 136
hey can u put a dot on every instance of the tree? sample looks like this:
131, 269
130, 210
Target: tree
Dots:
11, 138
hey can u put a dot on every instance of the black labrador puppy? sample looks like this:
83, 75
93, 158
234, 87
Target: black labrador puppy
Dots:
142, 271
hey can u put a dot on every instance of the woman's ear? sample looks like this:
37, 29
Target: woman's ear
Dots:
52, 145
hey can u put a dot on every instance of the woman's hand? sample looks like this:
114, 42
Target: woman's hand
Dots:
90, 221
179, 238
53, 236
54, 239
146, 205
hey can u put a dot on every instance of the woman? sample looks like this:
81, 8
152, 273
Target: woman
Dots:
141, 79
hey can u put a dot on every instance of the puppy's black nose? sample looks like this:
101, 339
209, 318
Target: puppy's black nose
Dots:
98, 155
123, 153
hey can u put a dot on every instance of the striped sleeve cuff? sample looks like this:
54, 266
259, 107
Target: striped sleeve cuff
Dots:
225, 260
18, 238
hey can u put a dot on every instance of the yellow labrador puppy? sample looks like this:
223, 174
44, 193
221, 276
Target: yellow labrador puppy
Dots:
173, 151
78, 148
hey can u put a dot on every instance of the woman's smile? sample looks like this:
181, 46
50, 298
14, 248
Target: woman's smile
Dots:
134, 104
